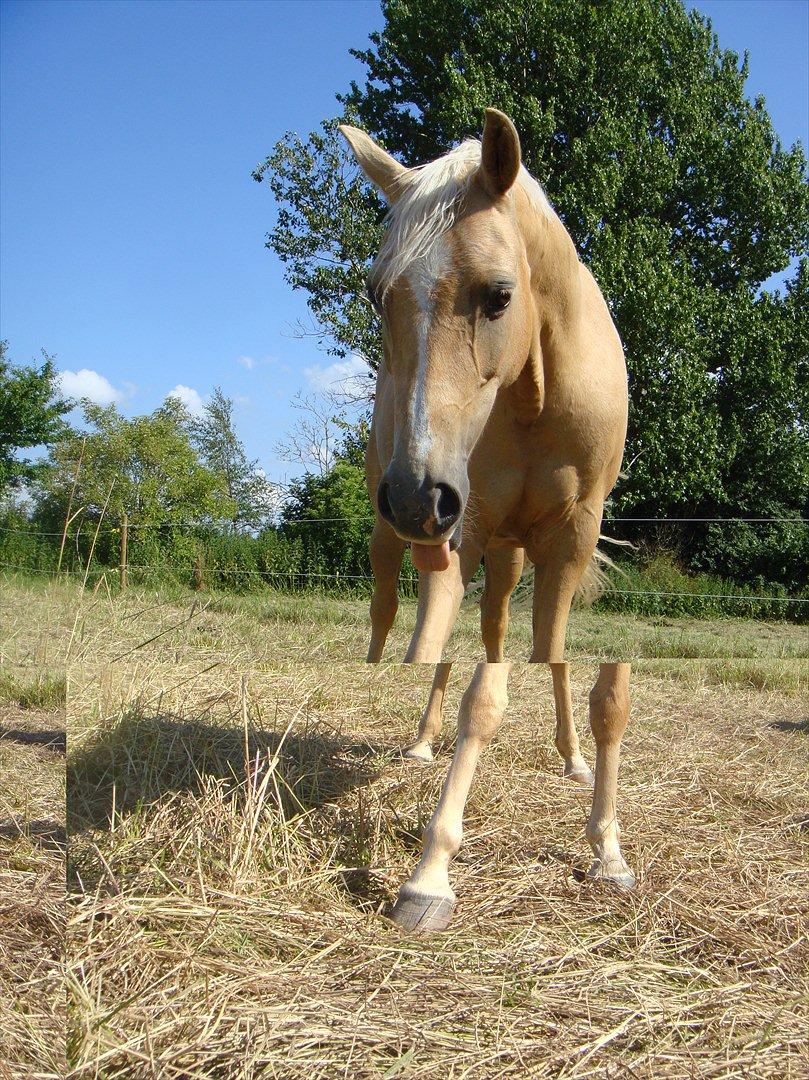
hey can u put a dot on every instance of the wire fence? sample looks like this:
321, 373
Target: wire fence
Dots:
203, 525
315, 575
298, 580
200, 573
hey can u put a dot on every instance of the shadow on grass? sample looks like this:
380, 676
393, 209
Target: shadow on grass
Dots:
138, 765
56, 740
142, 760
46, 832
791, 725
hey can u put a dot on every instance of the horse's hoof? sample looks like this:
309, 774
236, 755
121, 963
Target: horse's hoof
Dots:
580, 774
615, 871
422, 914
420, 751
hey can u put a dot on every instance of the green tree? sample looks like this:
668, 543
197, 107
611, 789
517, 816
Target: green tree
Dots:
32, 411
673, 184
253, 497
329, 513
145, 467
328, 229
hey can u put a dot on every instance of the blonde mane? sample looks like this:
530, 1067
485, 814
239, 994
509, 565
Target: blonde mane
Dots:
429, 205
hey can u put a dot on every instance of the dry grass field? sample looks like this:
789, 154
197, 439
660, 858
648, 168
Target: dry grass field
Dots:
240, 819
237, 837
32, 879
34, 633
47, 622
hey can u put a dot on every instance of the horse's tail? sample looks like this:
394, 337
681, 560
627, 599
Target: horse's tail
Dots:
595, 581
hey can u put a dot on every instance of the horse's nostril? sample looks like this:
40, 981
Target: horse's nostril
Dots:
418, 510
448, 504
383, 502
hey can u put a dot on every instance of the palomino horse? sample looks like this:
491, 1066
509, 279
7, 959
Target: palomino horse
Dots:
498, 431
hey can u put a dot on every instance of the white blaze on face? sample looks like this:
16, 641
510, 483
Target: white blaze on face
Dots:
422, 276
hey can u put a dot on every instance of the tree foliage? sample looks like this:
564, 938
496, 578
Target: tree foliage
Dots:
253, 497
145, 467
32, 412
677, 192
328, 229
329, 513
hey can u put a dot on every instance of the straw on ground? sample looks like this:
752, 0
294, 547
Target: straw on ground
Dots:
228, 892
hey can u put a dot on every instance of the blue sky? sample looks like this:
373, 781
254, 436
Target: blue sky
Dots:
132, 232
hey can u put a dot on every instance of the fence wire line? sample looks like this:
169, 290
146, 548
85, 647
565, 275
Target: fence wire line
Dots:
289, 574
333, 520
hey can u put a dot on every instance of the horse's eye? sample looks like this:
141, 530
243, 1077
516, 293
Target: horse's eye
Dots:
497, 301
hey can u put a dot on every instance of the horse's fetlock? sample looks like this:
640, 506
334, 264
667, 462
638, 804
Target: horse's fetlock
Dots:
597, 830
562, 744
443, 837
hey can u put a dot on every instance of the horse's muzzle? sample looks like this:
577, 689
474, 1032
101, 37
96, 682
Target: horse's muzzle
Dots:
426, 513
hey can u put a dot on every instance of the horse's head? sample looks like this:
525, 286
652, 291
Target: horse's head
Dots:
452, 285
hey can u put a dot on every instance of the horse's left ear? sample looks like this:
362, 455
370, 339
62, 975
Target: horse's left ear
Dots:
381, 169
500, 157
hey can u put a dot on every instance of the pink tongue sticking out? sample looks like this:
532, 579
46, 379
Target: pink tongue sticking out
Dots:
430, 556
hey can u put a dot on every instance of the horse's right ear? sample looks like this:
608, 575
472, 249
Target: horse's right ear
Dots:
500, 153
381, 169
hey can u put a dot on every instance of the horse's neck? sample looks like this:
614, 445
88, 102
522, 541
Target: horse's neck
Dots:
555, 268
557, 294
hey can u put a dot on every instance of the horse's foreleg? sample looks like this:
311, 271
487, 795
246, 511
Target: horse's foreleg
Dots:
426, 900
609, 714
560, 566
567, 740
386, 552
440, 595
430, 723
503, 571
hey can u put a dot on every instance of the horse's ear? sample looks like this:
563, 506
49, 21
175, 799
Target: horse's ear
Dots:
500, 156
381, 169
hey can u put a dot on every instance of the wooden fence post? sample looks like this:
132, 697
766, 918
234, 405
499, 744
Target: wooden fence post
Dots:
199, 575
124, 538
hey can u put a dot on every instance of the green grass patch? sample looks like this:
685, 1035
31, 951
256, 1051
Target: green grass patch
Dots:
658, 585
44, 692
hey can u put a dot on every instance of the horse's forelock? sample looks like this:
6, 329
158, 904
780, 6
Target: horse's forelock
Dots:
429, 205
426, 209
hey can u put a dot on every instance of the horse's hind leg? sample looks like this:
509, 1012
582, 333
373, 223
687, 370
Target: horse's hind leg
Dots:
567, 740
609, 714
504, 567
426, 900
430, 723
386, 552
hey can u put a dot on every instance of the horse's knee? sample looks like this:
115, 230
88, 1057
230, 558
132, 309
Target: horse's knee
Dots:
493, 626
609, 708
482, 709
384, 605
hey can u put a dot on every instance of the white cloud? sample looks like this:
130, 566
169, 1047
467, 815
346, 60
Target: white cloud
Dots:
341, 376
85, 383
189, 397
252, 362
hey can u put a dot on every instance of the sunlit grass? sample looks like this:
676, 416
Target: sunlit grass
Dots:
49, 624
237, 838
